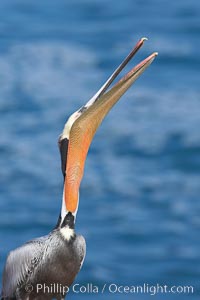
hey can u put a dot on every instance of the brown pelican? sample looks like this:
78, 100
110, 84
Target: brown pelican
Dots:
42, 268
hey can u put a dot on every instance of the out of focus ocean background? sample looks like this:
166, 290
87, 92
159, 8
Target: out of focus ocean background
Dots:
139, 200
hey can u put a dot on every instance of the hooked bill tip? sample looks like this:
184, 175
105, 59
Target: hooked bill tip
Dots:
144, 39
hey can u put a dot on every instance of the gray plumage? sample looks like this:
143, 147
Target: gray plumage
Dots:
48, 260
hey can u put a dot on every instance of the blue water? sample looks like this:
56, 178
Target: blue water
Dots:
139, 205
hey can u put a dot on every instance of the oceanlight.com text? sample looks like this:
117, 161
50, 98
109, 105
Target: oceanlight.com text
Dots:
112, 288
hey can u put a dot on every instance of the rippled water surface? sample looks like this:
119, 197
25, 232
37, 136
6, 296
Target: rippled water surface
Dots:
139, 205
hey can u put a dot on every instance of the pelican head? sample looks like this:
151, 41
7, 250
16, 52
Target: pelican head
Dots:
82, 125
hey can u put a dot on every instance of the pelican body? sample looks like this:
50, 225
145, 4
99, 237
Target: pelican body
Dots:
55, 259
